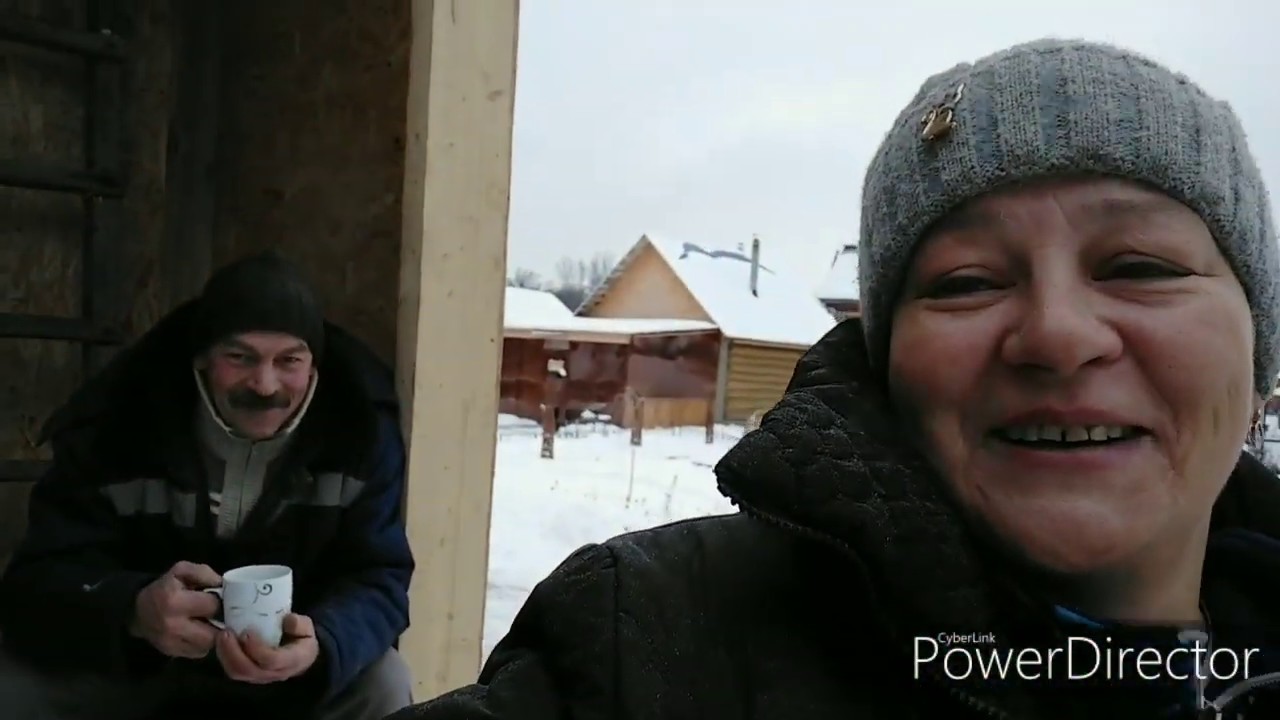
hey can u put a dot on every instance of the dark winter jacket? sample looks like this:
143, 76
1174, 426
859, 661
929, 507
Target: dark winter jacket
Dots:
331, 512
806, 604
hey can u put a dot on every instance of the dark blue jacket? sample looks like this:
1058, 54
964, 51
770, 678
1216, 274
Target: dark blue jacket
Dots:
332, 513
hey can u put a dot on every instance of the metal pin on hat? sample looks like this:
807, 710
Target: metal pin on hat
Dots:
940, 120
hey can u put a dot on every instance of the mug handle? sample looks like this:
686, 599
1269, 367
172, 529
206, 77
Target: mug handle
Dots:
216, 623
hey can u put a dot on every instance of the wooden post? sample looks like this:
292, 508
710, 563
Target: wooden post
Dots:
548, 432
637, 419
457, 178
710, 421
722, 379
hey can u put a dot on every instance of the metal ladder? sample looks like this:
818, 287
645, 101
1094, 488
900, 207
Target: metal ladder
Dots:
101, 186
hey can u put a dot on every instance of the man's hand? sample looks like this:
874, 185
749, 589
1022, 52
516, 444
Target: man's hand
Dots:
253, 661
169, 613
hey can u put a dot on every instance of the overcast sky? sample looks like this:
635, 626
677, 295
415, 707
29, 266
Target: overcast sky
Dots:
710, 120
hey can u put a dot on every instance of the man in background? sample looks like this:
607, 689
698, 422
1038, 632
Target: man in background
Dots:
243, 429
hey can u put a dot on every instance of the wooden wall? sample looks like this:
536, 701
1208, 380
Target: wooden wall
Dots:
43, 100
648, 288
597, 376
247, 125
311, 148
758, 375
675, 366
663, 367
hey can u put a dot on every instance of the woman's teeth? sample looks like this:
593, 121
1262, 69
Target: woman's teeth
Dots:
1067, 433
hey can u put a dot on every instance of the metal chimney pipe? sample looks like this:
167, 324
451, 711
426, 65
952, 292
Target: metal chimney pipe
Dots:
755, 265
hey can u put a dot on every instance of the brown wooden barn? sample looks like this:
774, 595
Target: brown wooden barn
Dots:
143, 142
551, 357
765, 319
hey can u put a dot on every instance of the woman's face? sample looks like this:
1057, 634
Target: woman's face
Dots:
1078, 358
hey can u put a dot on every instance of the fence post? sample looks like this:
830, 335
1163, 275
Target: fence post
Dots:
548, 432
710, 421
637, 417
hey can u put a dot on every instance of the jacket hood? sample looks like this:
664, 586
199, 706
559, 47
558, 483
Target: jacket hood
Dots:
829, 460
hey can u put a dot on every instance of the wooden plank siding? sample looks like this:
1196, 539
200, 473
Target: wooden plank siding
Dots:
758, 374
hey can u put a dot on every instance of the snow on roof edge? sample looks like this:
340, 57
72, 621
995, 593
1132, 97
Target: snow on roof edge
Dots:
786, 312
840, 284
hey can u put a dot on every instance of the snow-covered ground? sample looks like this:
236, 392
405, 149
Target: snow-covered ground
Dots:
597, 486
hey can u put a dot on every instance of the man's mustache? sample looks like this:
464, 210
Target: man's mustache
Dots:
245, 399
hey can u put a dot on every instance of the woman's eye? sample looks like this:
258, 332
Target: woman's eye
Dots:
1144, 270
958, 285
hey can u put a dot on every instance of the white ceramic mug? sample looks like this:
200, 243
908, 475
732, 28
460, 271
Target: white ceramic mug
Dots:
255, 597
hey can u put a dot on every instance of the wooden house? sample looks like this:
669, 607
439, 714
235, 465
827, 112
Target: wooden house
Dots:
551, 357
765, 319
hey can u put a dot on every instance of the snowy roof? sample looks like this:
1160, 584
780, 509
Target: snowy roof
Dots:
526, 308
538, 311
784, 311
618, 326
841, 282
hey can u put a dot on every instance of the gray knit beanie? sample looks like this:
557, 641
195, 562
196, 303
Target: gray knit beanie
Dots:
1052, 108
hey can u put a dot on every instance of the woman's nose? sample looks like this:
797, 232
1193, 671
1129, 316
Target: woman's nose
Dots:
1060, 330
